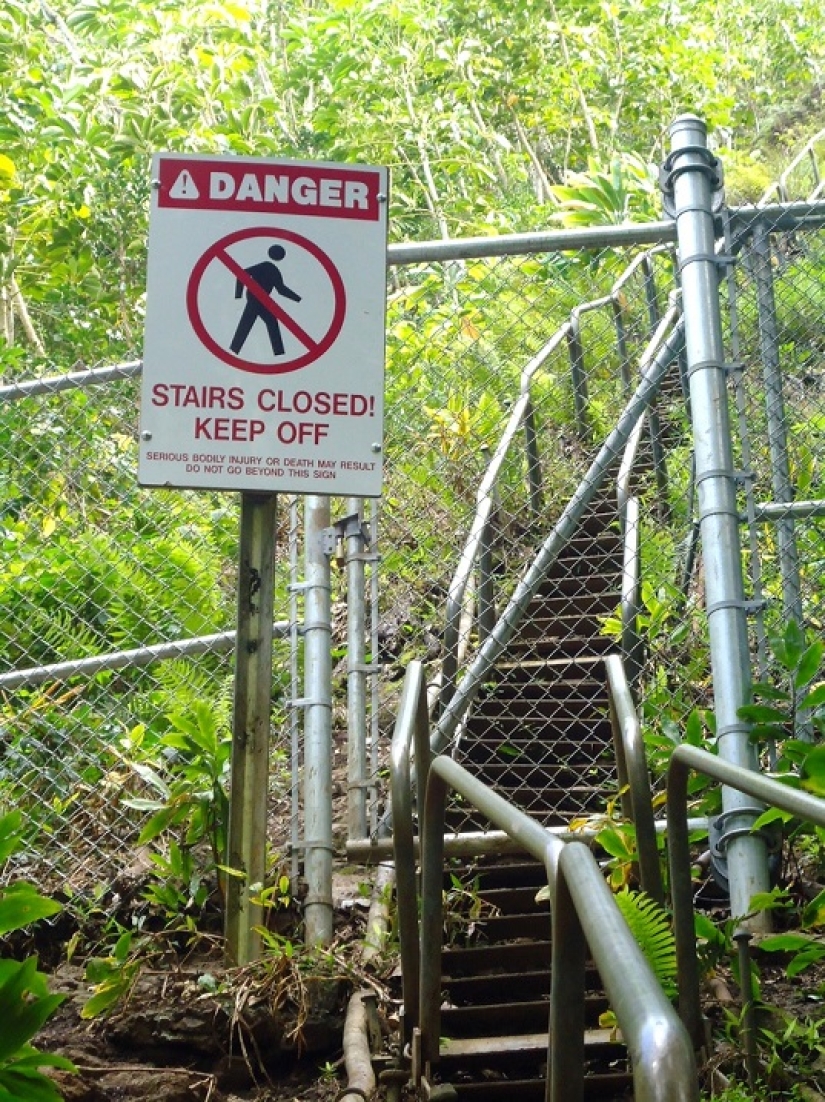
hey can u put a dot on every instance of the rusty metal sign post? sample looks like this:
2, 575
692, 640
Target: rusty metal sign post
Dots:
246, 847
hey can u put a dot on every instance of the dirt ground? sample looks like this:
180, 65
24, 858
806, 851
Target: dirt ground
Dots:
192, 1029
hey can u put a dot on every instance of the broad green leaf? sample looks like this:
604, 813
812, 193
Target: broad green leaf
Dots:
814, 912
616, 844
815, 698
805, 959
10, 838
808, 665
785, 943
772, 815
21, 904
23, 1084
813, 771
763, 713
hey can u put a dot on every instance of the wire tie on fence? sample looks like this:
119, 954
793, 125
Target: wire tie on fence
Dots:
719, 260
732, 729
307, 702
750, 607
715, 472
705, 365
315, 625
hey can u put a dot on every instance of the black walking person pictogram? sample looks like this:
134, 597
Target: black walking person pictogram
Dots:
268, 277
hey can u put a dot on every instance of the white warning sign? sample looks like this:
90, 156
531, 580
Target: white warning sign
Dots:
264, 348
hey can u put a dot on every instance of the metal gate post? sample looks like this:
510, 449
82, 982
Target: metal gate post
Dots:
319, 543
357, 772
691, 181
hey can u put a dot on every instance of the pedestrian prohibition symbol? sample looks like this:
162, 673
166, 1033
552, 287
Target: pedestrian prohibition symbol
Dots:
266, 300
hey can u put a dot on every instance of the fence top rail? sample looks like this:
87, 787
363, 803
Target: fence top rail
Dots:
522, 244
72, 380
784, 216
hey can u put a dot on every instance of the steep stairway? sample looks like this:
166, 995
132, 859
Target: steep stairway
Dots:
540, 735
540, 732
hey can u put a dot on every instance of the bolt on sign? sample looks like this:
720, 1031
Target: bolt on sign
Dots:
263, 363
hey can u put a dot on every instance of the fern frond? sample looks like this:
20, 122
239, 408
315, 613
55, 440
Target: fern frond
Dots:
650, 925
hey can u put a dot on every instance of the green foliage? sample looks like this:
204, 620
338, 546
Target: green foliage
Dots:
789, 716
112, 976
628, 192
650, 925
185, 773
25, 1002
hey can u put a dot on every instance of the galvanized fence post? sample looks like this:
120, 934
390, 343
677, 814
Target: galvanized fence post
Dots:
318, 845
357, 773
690, 178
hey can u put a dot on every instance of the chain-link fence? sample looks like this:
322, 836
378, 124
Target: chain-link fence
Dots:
507, 371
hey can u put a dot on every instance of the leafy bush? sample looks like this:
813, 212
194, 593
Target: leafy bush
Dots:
25, 1002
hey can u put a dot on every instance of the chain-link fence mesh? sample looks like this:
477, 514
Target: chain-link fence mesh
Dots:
94, 565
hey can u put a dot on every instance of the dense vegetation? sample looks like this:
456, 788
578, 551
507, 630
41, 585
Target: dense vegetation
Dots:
497, 118
479, 111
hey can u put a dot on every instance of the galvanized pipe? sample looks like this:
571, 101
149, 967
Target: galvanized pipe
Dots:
318, 846
770, 511
220, 643
781, 482
685, 759
295, 588
630, 751
690, 167
534, 473
663, 1066
485, 505
357, 771
660, 1051
659, 354
522, 244
631, 588
410, 721
71, 380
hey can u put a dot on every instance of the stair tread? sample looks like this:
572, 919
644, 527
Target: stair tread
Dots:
528, 1042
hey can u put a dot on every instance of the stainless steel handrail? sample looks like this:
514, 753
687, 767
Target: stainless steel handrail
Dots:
684, 760
520, 418
485, 505
411, 733
665, 344
583, 909
633, 775
780, 186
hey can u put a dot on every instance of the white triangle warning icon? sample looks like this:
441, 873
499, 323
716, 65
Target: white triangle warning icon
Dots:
184, 187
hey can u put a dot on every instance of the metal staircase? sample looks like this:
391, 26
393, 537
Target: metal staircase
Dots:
540, 734
540, 727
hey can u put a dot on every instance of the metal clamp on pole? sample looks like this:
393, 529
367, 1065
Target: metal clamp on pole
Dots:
702, 160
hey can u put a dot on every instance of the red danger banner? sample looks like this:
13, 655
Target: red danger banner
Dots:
317, 190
